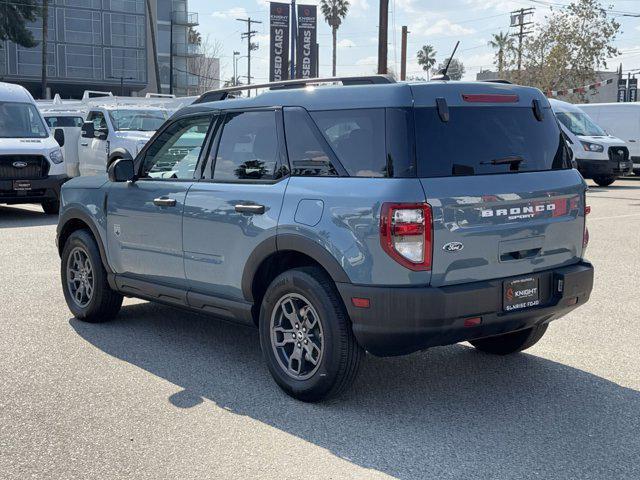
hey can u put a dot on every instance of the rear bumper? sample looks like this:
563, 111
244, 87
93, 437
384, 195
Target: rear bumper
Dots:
42, 189
604, 168
402, 320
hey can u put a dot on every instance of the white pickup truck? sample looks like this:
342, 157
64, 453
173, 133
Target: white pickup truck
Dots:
116, 131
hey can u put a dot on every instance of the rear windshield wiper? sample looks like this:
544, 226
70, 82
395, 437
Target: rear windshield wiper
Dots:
513, 161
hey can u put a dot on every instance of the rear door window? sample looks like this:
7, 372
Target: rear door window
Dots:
248, 148
488, 140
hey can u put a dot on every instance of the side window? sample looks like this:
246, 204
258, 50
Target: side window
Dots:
98, 120
358, 139
174, 153
248, 148
307, 154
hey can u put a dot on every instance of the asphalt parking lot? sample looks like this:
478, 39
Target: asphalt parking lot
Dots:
160, 393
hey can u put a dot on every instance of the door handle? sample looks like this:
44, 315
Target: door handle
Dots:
632, 141
165, 202
250, 208
84, 144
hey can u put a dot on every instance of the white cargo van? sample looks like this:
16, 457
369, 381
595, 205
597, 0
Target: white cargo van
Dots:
32, 168
599, 156
621, 120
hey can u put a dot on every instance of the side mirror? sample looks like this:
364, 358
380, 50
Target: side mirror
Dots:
122, 170
101, 133
58, 134
88, 130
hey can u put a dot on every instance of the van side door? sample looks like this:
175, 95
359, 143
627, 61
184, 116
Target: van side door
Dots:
92, 150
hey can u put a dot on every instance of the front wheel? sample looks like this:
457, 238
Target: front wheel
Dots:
51, 207
604, 181
306, 336
513, 342
84, 280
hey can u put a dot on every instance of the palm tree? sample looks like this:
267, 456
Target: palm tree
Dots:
503, 43
427, 58
334, 11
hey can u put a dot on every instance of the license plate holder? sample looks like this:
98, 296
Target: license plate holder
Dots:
520, 293
22, 185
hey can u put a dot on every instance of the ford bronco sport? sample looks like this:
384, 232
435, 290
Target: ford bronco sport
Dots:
383, 217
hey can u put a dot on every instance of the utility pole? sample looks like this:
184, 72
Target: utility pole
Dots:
171, 55
45, 34
403, 54
520, 21
294, 38
383, 36
250, 46
235, 68
154, 46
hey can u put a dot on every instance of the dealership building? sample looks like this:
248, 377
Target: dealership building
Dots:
106, 45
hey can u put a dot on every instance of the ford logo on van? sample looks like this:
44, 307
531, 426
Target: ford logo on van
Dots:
453, 247
19, 164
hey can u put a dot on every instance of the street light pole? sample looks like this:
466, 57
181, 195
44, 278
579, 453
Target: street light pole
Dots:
235, 68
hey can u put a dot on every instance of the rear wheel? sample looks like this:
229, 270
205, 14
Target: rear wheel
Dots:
510, 342
306, 336
51, 207
604, 181
84, 280
636, 172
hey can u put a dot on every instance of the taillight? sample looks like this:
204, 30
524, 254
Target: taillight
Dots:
406, 234
585, 235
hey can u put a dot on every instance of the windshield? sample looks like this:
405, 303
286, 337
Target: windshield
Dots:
580, 123
21, 120
56, 122
138, 120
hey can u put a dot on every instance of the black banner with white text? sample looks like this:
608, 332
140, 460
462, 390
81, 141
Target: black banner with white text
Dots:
306, 52
279, 45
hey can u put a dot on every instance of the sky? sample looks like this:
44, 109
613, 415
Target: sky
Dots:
439, 23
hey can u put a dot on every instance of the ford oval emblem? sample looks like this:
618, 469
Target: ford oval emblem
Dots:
19, 164
453, 247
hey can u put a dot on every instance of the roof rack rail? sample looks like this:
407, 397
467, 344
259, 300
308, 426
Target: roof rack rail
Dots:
223, 93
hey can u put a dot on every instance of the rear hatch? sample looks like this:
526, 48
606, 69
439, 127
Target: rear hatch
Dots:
497, 174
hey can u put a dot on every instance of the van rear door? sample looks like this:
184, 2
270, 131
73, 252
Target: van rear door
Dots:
497, 174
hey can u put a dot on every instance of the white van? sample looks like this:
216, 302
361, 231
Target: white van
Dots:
599, 156
621, 120
32, 168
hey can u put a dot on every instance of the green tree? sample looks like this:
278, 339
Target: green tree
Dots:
570, 46
503, 44
334, 11
14, 15
427, 58
456, 69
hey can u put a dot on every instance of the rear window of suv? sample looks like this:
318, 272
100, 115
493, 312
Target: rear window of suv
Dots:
487, 140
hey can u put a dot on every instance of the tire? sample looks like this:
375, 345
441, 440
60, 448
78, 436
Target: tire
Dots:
636, 172
335, 350
604, 181
51, 207
100, 303
510, 342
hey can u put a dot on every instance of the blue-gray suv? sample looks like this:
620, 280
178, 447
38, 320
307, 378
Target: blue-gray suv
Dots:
369, 216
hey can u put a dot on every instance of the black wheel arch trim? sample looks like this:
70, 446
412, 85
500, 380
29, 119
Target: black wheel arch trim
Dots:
292, 242
77, 214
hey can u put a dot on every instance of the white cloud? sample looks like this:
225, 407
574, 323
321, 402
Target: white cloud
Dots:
360, 4
444, 27
346, 43
235, 12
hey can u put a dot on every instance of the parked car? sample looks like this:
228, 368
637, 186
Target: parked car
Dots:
70, 122
113, 131
384, 217
600, 156
621, 120
32, 167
